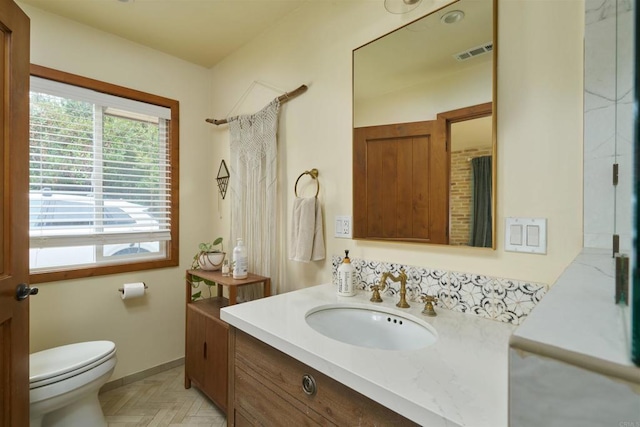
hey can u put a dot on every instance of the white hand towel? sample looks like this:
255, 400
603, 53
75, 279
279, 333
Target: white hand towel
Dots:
306, 239
317, 253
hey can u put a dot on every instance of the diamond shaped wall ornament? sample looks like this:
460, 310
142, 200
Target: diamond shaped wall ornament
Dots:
223, 179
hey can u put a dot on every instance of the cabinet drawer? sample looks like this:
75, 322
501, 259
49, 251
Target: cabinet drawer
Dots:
282, 375
260, 405
241, 420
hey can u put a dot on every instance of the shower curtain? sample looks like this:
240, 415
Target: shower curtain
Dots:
252, 187
481, 204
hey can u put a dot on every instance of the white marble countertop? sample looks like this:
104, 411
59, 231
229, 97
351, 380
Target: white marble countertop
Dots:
460, 380
578, 321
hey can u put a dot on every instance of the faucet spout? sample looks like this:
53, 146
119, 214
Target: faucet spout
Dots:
402, 278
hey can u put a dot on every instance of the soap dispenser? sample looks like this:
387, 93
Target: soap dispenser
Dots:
346, 277
240, 261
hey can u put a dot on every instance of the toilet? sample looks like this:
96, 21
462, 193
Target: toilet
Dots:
64, 383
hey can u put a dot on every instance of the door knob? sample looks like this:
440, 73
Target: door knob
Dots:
23, 291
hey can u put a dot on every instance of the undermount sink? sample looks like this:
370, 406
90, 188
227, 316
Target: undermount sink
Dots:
371, 327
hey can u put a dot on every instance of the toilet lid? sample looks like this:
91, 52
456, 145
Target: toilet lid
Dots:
56, 364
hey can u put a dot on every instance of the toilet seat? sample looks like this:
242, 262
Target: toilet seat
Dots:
57, 364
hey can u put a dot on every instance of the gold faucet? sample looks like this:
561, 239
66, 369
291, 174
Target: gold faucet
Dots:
402, 278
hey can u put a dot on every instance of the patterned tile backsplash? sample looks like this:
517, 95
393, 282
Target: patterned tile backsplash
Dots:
494, 298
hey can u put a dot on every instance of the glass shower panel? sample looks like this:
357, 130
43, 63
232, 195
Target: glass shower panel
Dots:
634, 297
624, 84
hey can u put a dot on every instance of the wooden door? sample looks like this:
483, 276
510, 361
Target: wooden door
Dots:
14, 227
401, 182
216, 370
195, 347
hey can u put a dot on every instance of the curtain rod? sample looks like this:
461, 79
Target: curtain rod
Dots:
282, 98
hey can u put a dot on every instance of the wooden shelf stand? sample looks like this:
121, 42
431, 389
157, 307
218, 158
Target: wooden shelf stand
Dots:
207, 336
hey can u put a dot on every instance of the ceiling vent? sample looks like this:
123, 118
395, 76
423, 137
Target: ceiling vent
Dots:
475, 51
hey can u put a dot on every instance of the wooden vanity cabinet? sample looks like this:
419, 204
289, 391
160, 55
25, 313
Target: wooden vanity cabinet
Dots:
266, 388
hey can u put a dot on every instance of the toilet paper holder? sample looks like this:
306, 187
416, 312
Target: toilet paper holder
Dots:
121, 290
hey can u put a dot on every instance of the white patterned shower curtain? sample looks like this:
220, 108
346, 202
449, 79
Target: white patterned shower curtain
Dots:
252, 186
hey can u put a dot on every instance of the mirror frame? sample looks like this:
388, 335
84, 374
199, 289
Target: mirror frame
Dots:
494, 102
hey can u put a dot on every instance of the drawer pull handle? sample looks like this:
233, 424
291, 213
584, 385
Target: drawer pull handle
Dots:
309, 385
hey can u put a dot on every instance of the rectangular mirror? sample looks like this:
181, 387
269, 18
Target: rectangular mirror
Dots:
424, 144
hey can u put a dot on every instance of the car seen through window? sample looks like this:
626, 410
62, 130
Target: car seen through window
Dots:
77, 224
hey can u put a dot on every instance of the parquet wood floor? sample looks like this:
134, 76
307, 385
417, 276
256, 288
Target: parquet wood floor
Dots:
160, 400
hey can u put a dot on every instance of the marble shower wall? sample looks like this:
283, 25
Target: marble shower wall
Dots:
608, 125
494, 298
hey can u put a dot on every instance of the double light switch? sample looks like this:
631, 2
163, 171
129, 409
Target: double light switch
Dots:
526, 235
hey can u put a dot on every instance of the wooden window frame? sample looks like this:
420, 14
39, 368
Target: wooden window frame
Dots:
172, 249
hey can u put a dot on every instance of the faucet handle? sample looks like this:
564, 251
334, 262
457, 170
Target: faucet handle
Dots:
376, 292
428, 307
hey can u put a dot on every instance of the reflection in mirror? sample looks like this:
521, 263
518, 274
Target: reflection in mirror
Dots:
471, 155
413, 77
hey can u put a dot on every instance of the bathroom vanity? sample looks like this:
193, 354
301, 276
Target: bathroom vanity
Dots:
281, 367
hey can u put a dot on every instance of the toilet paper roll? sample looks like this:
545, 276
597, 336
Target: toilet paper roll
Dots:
133, 290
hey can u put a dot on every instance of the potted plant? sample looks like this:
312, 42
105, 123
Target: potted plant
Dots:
209, 257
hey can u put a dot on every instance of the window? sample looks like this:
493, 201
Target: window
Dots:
102, 183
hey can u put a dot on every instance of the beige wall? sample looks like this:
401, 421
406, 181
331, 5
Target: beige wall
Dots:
425, 101
539, 127
149, 331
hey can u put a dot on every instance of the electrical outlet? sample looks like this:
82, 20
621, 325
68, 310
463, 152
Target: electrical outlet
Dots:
343, 226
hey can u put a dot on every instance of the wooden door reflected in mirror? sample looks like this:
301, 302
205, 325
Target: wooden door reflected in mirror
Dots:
402, 173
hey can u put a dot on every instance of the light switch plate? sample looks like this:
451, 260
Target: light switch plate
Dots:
343, 226
528, 235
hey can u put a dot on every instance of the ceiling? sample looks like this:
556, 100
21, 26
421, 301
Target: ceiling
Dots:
423, 51
202, 32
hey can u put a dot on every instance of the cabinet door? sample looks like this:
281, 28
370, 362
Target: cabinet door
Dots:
195, 348
216, 371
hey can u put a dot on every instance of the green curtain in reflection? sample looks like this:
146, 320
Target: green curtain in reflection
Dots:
481, 203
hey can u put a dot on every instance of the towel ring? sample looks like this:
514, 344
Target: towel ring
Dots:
314, 175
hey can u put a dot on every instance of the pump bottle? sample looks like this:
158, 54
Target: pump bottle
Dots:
346, 276
240, 260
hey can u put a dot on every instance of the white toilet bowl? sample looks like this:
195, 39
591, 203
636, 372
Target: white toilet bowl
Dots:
64, 384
